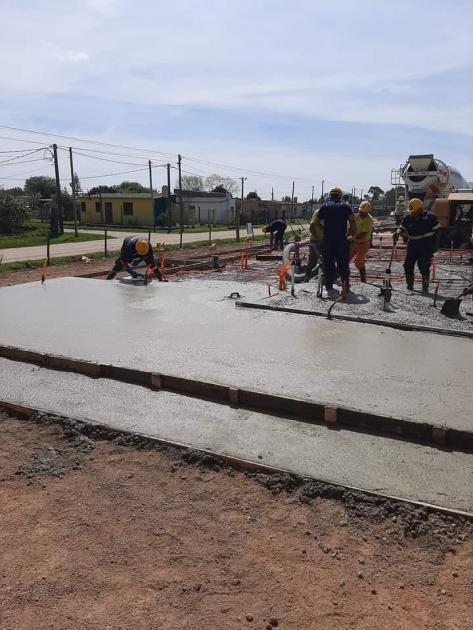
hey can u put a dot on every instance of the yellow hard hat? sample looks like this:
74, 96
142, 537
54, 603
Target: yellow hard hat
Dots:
336, 191
142, 246
415, 204
401, 198
364, 206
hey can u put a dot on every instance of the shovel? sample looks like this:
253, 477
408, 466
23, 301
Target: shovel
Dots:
451, 306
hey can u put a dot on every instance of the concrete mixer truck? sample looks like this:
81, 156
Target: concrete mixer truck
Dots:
444, 191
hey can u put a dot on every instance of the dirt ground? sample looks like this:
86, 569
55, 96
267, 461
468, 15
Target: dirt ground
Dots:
94, 534
79, 268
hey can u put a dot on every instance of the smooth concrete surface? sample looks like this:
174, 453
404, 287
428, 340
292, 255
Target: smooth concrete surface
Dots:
38, 252
190, 329
377, 464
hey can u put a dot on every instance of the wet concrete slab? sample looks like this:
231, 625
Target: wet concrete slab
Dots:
372, 463
191, 329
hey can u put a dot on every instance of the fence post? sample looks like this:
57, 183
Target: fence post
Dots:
105, 243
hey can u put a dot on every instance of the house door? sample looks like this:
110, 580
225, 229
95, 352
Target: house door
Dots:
108, 212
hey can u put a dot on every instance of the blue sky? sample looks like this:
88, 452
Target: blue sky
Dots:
340, 91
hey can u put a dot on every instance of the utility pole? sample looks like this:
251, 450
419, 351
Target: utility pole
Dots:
312, 199
73, 185
168, 168
272, 194
322, 196
237, 218
151, 198
181, 202
57, 226
292, 202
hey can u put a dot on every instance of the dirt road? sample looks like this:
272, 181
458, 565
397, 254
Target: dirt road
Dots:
95, 534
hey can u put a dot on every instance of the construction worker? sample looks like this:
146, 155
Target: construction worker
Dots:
400, 209
362, 240
421, 230
316, 229
135, 250
276, 229
336, 214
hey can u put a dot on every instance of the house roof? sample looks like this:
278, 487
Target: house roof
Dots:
116, 196
200, 193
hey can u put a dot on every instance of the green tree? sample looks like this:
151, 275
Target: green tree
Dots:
96, 190
253, 195
44, 186
132, 187
16, 191
77, 185
13, 213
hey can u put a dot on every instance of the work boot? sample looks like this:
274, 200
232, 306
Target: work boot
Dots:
345, 289
111, 275
425, 283
410, 281
362, 271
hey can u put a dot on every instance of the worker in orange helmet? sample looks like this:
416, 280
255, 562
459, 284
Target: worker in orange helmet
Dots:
135, 250
361, 241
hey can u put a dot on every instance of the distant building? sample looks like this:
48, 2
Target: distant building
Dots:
266, 210
131, 209
200, 207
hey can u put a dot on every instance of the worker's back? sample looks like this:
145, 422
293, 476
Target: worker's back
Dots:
334, 215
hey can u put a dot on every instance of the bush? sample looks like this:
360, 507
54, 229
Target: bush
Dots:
13, 214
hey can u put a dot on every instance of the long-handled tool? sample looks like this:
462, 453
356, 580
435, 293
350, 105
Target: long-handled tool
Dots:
387, 288
451, 306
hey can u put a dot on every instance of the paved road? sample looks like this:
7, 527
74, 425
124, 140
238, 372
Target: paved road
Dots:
191, 330
373, 463
85, 247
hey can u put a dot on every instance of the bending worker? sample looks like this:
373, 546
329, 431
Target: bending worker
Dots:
135, 251
316, 229
276, 229
362, 240
421, 230
335, 214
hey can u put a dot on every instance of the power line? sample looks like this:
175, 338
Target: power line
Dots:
105, 144
119, 146
18, 157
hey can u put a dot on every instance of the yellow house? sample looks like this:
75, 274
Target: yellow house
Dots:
134, 209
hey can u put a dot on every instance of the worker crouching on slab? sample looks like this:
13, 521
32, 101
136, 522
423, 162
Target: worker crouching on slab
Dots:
135, 251
335, 215
361, 242
276, 230
421, 230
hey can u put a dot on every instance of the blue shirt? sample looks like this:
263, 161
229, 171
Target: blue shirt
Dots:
423, 226
335, 216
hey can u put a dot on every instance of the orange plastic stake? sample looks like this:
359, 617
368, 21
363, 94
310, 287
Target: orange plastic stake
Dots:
283, 268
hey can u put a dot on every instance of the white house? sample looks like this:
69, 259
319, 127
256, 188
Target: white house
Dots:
201, 206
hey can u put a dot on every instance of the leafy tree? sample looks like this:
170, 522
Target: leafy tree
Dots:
192, 182
13, 214
77, 185
375, 194
219, 181
96, 190
132, 187
253, 195
42, 185
16, 191
219, 189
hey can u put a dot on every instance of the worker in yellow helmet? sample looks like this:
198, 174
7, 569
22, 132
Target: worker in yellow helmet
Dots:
135, 250
400, 209
421, 230
338, 219
361, 241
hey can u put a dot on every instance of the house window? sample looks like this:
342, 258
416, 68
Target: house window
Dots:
82, 206
128, 208
98, 207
